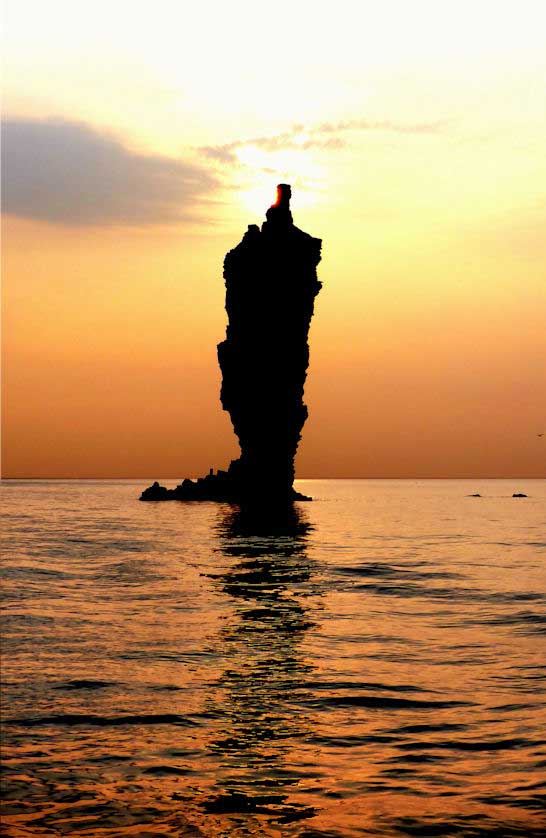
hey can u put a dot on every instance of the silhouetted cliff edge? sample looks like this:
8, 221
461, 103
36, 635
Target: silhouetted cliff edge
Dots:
271, 284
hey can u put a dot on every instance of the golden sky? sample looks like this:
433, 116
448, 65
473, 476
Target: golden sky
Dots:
141, 138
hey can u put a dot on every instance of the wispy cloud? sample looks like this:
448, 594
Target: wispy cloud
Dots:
326, 135
70, 173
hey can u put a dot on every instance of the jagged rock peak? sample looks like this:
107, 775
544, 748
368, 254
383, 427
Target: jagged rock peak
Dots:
278, 214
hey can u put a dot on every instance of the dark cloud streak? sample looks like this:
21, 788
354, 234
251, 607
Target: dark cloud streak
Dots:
70, 173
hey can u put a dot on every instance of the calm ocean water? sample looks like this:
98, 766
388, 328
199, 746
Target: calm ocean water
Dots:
373, 666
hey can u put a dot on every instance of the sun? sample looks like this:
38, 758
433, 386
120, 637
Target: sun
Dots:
261, 171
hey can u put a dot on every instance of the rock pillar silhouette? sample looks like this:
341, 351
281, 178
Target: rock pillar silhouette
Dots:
271, 283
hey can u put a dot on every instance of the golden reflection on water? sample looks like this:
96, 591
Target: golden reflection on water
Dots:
264, 668
194, 671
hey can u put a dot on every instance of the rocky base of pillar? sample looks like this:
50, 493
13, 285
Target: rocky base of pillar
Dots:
221, 487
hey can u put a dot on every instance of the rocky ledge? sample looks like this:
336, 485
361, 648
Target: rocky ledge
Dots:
220, 486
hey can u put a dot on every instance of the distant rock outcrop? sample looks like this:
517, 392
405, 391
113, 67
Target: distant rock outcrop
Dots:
271, 284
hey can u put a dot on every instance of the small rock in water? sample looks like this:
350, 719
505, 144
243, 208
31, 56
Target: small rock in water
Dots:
519, 495
476, 495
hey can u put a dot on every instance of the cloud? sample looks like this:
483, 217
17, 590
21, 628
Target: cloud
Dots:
381, 125
70, 173
325, 135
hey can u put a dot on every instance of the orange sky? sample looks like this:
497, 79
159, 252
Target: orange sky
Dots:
138, 148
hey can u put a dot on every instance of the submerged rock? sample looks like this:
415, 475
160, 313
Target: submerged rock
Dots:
271, 284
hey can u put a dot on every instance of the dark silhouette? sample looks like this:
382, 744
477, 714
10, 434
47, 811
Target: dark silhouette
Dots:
271, 284
519, 495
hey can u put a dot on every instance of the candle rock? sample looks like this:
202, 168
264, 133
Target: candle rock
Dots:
271, 283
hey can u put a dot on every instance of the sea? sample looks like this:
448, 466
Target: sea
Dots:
371, 663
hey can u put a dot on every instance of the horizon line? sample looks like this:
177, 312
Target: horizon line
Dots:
471, 477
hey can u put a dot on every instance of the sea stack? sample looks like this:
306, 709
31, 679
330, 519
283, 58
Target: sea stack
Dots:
271, 283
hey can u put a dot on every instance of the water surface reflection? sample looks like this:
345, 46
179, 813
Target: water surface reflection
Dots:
186, 670
270, 579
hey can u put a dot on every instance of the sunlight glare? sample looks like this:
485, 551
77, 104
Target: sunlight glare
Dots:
265, 169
